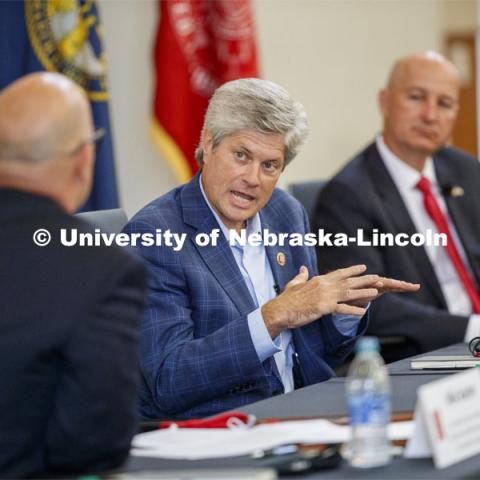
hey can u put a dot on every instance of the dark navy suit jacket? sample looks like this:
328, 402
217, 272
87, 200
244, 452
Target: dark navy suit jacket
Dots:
363, 195
197, 356
69, 323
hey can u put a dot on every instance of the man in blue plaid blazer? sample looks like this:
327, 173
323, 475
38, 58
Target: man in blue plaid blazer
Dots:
231, 323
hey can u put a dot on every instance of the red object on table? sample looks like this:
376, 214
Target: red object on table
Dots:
223, 420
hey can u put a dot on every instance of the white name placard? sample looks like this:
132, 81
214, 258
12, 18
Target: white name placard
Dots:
449, 410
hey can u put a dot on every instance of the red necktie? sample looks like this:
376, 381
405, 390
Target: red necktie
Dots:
436, 214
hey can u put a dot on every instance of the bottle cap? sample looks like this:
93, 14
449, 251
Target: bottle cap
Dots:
367, 344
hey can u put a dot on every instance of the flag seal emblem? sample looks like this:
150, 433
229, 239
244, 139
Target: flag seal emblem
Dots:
66, 37
213, 37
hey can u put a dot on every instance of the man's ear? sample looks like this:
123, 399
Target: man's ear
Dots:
383, 98
83, 166
207, 145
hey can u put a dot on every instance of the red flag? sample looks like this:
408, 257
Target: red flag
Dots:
200, 45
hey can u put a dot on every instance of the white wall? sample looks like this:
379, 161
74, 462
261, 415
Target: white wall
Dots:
129, 31
332, 55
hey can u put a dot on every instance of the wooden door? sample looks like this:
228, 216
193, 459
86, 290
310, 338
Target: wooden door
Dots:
460, 49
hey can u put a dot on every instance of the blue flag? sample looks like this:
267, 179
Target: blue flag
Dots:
63, 36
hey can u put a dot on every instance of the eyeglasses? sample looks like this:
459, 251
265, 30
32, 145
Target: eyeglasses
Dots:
95, 139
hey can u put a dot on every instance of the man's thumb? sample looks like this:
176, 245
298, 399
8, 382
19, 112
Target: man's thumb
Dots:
301, 277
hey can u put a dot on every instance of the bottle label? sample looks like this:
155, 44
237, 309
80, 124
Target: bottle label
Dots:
369, 408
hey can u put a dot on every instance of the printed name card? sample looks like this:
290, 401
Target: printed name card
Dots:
447, 419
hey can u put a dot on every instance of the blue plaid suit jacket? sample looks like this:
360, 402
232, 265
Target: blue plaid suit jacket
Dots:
197, 356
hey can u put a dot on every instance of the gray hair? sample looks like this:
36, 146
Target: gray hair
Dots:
251, 103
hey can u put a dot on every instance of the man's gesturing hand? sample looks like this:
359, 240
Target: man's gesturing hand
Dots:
388, 285
304, 300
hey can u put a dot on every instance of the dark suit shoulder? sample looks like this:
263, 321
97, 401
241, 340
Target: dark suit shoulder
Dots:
350, 184
458, 161
355, 171
354, 190
457, 154
95, 262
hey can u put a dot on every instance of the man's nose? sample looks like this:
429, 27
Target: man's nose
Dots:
252, 174
430, 110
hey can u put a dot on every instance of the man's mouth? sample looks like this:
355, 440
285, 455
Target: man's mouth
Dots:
242, 198
426, 132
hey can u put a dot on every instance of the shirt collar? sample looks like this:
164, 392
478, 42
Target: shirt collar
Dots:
254, 224
404, 176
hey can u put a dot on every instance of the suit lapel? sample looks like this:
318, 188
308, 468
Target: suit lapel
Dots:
457, 205
281, 263
279, 257
282, 274
399, 216
218, 259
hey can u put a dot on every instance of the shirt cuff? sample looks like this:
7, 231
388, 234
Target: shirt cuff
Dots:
347, 325
473, 327
263, 343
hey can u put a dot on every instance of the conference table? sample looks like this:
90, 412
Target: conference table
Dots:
327, 400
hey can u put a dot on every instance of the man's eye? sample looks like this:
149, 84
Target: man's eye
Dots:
446, 103
240, 155
415, 96
270, 166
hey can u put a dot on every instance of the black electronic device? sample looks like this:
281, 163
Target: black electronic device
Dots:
474, 346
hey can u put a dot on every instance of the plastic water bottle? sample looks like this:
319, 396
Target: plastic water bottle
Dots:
368, 398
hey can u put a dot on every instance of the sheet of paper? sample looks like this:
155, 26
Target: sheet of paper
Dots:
401, 430
418, 445
194, 444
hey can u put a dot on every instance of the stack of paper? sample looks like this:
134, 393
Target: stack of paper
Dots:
195, 444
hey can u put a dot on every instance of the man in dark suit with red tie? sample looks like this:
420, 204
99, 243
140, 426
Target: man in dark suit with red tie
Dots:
408, 182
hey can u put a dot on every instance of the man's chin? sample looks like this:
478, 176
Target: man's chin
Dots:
425, 147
